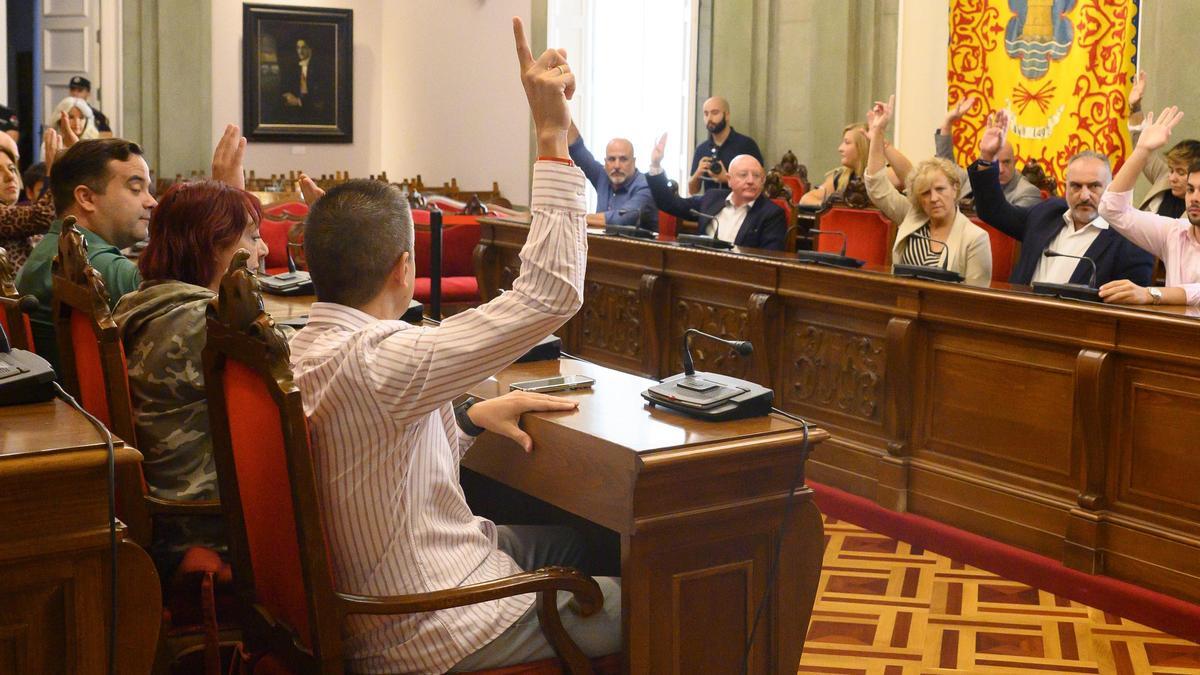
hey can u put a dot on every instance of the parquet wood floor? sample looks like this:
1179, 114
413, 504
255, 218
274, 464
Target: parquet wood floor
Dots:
885, 607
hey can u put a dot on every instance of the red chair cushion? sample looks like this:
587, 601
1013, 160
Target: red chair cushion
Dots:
277, 220
787, 208
866, 234
25, 328
454, 289
265, 491
1004, 249
796, 186
668, 225
93, 395
182, 600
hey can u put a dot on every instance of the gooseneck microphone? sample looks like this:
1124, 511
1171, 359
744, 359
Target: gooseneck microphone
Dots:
839, 233
1069, 290
926, 272
1051, 253
701, 239
635, 231
742, 347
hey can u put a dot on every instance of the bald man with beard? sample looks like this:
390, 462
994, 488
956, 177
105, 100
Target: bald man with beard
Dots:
622, 195
710, 162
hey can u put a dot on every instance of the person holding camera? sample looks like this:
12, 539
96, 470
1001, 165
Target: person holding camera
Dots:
711, 161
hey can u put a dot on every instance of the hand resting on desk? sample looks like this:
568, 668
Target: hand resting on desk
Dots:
502, 415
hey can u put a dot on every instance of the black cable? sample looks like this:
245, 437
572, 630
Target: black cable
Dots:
112, 519
773, 571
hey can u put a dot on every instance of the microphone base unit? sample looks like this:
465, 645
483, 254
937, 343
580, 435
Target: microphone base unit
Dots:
831, 259
927, 273
1068, 291
711, 397
629, 231
288, 283
703, 242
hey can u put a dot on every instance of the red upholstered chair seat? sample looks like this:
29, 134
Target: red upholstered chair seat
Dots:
795, 185
278, 220
460, 235
868, 234
454, 289
1005, 250
25, 329
668, 225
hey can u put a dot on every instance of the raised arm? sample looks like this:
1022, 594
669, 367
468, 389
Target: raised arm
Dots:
584, 159
880, 189
1156, 168
664, 197
990, 203
1147, 230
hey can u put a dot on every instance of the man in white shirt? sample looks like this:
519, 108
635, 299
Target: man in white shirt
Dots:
378, 394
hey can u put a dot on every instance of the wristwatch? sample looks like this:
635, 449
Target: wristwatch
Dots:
464, 420
1155, 295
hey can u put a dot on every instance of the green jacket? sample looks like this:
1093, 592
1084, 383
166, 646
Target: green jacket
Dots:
120, 275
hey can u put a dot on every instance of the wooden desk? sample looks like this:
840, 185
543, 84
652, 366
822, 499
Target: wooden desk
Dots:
698, 508
54, 551
1070, 429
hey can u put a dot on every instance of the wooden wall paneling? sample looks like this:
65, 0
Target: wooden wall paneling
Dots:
654, 294
1093, 389
898, 408
610, 326
762, 310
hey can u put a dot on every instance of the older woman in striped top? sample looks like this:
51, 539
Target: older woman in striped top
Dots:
929, 215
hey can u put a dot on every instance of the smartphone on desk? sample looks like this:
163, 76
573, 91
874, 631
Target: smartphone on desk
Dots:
552, 384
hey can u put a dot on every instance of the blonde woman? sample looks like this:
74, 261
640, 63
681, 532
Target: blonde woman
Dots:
77, 115
930, 210
853, 150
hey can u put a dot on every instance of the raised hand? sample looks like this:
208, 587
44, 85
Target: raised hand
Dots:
228, 157
309, 190
956, 112
549, 84
1137, 91
993, 135
1157, 132
51, 146
659, 151
880, 114
69, 137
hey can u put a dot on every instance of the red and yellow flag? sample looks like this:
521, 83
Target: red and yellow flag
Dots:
1061, 68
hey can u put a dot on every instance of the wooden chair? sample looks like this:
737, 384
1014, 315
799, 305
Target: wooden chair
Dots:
283, 223
1005, 250
869, 234
460, 236
14, 319
284, 579
93, 370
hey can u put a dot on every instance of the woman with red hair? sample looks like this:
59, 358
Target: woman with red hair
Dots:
194, 233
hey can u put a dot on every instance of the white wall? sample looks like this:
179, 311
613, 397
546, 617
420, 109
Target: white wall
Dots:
921, 75
454, 106
361, 158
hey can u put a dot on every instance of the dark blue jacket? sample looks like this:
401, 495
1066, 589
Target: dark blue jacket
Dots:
1037, 226
765, 225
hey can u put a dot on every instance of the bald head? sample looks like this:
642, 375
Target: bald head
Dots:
619, 162
716, 115
746, 178
1007, 161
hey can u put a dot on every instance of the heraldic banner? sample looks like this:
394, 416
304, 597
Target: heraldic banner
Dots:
1061, 68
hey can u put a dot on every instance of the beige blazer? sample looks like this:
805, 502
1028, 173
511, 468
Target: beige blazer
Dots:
970, 249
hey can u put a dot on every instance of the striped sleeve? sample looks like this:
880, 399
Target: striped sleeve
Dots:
419, 369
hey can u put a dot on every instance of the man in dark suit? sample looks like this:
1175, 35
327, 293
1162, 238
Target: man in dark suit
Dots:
308, 96
740, 213
1072, 226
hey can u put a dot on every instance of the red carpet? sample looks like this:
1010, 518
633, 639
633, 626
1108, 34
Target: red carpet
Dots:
1170, 615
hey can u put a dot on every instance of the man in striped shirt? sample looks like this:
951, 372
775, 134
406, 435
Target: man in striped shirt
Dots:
387, 441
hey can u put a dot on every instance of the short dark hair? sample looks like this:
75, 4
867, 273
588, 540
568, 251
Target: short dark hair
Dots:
35, 173
86, 163
192, 223
353, 236
1194, 166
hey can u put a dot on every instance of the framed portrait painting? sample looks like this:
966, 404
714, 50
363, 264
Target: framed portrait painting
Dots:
297, 74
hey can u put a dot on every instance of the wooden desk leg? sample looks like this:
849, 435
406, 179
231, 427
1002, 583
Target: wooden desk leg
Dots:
692, 581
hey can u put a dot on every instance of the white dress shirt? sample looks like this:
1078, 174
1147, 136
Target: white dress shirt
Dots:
728, 220
378, 397
1072, 242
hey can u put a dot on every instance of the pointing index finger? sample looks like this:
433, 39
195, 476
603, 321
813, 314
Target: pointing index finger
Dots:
524, 55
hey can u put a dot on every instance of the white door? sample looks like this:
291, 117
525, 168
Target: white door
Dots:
70, 47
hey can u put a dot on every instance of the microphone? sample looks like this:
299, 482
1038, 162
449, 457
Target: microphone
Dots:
636, 223
837, 232
825, 257
1069, 290
942, 273
291, 261
742, 347
631, 231
700, 239
1050, 253
28, 304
